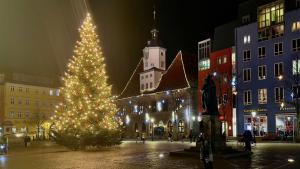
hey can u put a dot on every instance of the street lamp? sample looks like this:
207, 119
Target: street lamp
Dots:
280, 77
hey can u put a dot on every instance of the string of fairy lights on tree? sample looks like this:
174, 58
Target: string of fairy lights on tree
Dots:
88, 105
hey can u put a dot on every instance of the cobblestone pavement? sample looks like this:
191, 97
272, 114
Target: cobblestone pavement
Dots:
131, 155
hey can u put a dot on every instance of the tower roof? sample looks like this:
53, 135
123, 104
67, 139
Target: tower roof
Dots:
154, 41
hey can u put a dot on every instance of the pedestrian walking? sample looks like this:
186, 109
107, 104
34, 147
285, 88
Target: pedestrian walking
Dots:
170, 137
137, 136
191, 136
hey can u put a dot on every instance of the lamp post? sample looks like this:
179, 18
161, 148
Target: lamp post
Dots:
152, 122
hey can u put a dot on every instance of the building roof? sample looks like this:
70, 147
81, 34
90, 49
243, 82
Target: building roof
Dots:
182, 73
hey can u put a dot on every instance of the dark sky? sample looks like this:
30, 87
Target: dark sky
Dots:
124, 28
38, 36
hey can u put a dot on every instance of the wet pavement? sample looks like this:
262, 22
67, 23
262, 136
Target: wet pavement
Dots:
131, 155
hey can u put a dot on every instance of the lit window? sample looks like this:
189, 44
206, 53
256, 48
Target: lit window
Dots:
262, 74
247, 74
20, 89
162, 64
57, 92
51, 92
278, 48
262, 96
247, 39
181, 126
225, 59
150, 85
219, 61
247, 97
296, 66
278, 91
12, 88
296, 26
204, 64
278, 69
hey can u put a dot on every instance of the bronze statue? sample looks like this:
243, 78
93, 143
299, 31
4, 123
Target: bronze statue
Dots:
209, 98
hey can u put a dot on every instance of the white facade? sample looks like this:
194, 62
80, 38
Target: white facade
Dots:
154, 63
154, 57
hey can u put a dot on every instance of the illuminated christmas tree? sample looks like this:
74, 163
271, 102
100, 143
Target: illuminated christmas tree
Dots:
87, 114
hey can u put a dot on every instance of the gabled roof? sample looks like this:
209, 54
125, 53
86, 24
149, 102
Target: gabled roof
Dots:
182, 73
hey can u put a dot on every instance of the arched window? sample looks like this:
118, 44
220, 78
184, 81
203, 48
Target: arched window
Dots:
181, 126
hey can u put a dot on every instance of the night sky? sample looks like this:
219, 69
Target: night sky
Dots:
38, 36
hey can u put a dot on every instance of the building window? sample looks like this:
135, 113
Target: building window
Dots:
181, 126
151, 75
219, 61
262, 74
278, 69
20, 89
247, 74
57, 92
27, 101
270, 15
277, 31
142, 77
146, 76
150, 85
225, 59
142, 86
247, 97
204, 64
12, 114
19, 115
296, 67
278, 48
12, 100
225, 98
296, 26
152, 64
27, 114
261, 52
246, 19
146, 64
51, 92
262, 96
278, 92
247, 39
247, 55
162, 63
20, 101
146, 85
296, 91
12, 88
296, 44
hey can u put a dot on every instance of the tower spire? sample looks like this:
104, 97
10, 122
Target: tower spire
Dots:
154, 31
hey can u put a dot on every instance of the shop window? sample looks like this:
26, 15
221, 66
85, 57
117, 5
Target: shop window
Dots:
256, 124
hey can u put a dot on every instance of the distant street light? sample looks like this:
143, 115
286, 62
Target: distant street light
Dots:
280, 77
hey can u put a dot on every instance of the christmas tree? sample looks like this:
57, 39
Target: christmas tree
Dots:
86, 117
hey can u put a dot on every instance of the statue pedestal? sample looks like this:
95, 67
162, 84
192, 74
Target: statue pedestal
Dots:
213, 129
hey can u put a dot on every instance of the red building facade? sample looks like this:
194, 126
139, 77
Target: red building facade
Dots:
221, 67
